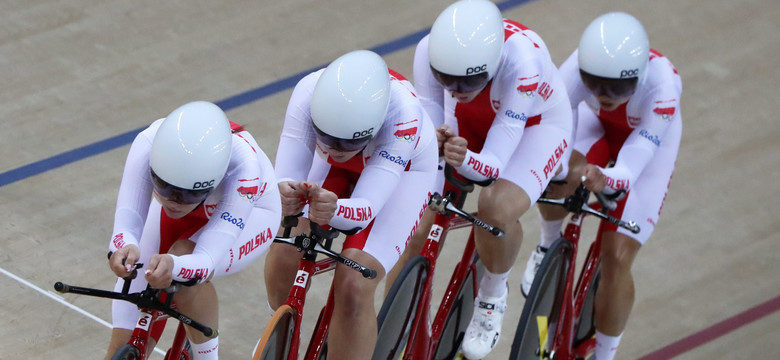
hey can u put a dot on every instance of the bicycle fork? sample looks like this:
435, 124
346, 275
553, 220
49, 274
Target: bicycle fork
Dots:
296, 300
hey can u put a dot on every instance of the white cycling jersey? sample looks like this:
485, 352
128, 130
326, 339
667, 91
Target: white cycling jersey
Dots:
641, 136
519, 127
392, 176
231, 229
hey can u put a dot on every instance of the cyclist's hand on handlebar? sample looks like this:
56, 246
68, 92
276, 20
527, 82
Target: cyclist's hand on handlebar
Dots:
295, 195
594, 180
159, 272
122, 261
454, 150
322, 204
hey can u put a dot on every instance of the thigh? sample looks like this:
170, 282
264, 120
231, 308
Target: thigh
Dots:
618, 251
537, 158
386, 237
503, 201
644, 201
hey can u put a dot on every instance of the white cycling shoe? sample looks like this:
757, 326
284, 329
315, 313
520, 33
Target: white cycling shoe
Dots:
531, 268
485, 327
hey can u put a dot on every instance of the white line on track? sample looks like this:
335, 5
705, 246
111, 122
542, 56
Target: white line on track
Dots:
61, 300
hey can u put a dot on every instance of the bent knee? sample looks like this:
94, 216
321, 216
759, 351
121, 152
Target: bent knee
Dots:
618, 252
354, 291
503, 202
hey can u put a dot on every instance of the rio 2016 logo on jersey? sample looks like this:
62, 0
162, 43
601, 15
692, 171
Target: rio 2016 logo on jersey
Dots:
516, 116
396, 159
653, 138
233, 220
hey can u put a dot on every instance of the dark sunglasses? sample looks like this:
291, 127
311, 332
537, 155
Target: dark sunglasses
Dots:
339, 144
461, 84
612, 88
177, 194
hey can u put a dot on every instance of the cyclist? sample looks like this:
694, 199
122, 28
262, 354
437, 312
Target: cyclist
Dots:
626, 101
357, 151
502, 113
197, 200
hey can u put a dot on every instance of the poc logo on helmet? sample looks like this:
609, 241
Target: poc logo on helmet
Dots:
629, 73
364, 133
203, 184
476, 69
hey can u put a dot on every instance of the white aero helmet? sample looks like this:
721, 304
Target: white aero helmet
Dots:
350, 100
191, 150
614, 46
467, 38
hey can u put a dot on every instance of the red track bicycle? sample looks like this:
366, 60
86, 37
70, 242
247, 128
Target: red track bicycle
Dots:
405, 329
557, 321
281, 338
156, 306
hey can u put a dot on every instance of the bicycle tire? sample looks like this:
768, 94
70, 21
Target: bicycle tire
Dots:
127, 352
459, 317
398, 311
585, 326
544, 300
278, 335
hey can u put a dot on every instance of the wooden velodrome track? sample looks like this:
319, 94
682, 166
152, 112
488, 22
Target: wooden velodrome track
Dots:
81, 77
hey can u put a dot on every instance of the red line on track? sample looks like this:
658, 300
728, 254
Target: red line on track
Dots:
715, 331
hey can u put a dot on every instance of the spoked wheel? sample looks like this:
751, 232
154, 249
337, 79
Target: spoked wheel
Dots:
535, 331
127, 352
459, 317
278, 335
399, 309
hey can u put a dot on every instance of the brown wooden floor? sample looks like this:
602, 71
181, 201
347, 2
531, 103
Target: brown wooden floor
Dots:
76, 73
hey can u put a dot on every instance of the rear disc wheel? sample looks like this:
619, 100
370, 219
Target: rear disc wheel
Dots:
536, 329
399, 310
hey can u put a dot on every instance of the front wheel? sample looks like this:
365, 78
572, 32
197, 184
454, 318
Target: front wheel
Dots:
127, 352
399, 310
278, 335
459, 316
536, 329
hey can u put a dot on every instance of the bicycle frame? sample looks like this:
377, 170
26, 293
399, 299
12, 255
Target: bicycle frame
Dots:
297, 299
425, 335
574, 298
308, 267
151, 319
